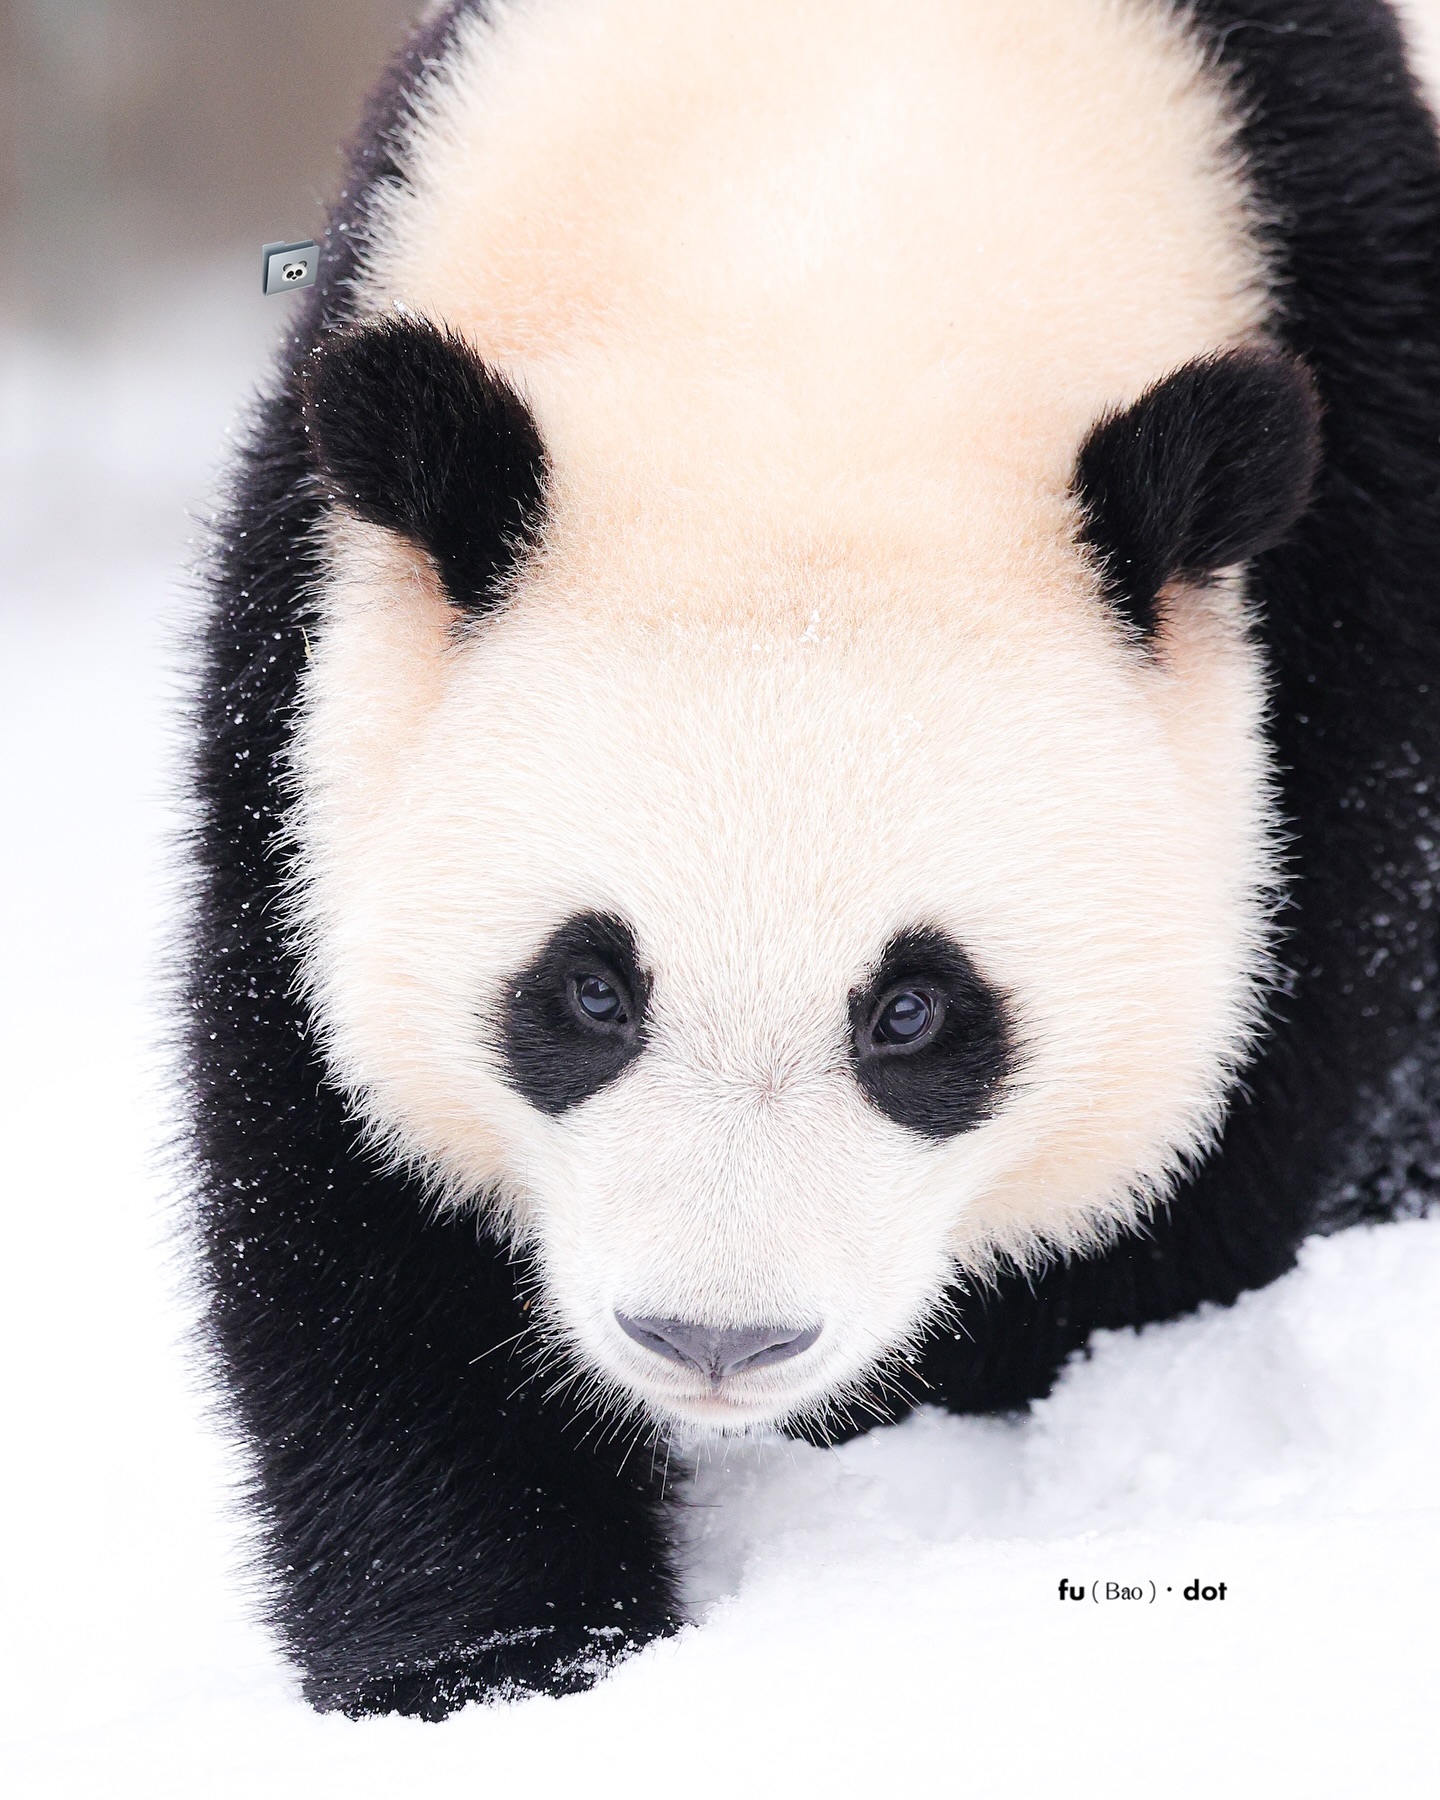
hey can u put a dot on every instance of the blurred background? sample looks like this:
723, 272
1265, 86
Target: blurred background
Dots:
146, 140
147, 149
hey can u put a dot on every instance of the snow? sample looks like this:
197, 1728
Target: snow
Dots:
881, 1618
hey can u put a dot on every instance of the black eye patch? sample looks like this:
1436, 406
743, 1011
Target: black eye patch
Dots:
1208, 468
574, 1017
931, 1041
414, 432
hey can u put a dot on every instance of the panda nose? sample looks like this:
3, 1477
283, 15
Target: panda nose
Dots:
718, 1351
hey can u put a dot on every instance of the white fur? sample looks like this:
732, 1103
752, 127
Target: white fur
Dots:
814, 303
1421, 19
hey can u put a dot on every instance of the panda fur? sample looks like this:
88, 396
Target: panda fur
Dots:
777, 508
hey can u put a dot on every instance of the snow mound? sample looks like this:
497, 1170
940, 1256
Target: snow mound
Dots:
1317, 1398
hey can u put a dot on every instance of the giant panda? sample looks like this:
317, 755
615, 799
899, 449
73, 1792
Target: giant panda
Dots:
813, 765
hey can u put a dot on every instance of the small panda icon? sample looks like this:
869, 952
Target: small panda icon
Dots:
289, 265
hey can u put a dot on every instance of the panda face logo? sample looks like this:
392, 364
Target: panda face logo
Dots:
760, 975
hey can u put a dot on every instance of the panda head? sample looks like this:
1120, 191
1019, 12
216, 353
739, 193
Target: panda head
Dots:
766, 909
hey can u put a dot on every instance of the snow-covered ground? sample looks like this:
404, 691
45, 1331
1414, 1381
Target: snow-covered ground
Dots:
881, 1619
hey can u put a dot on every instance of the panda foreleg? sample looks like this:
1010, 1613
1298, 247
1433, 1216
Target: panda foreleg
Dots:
442, 1525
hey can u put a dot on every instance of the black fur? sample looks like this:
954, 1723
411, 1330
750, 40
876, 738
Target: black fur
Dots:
955, 1078
554, 1055
415, 433
1208, 468
440, 1524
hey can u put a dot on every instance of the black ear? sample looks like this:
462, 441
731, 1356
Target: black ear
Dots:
414, 432
1208, 468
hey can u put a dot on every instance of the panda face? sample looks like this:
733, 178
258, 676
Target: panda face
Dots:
759, 932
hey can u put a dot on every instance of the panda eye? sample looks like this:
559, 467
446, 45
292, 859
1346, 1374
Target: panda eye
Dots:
573, 1019
600, 1001
906, 1019
932, 1042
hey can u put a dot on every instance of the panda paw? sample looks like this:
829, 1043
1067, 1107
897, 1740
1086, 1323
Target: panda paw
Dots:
506, 1666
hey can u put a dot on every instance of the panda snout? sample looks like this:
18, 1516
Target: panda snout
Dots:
718, 1351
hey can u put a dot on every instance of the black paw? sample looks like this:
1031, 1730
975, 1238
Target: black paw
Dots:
505, 1666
